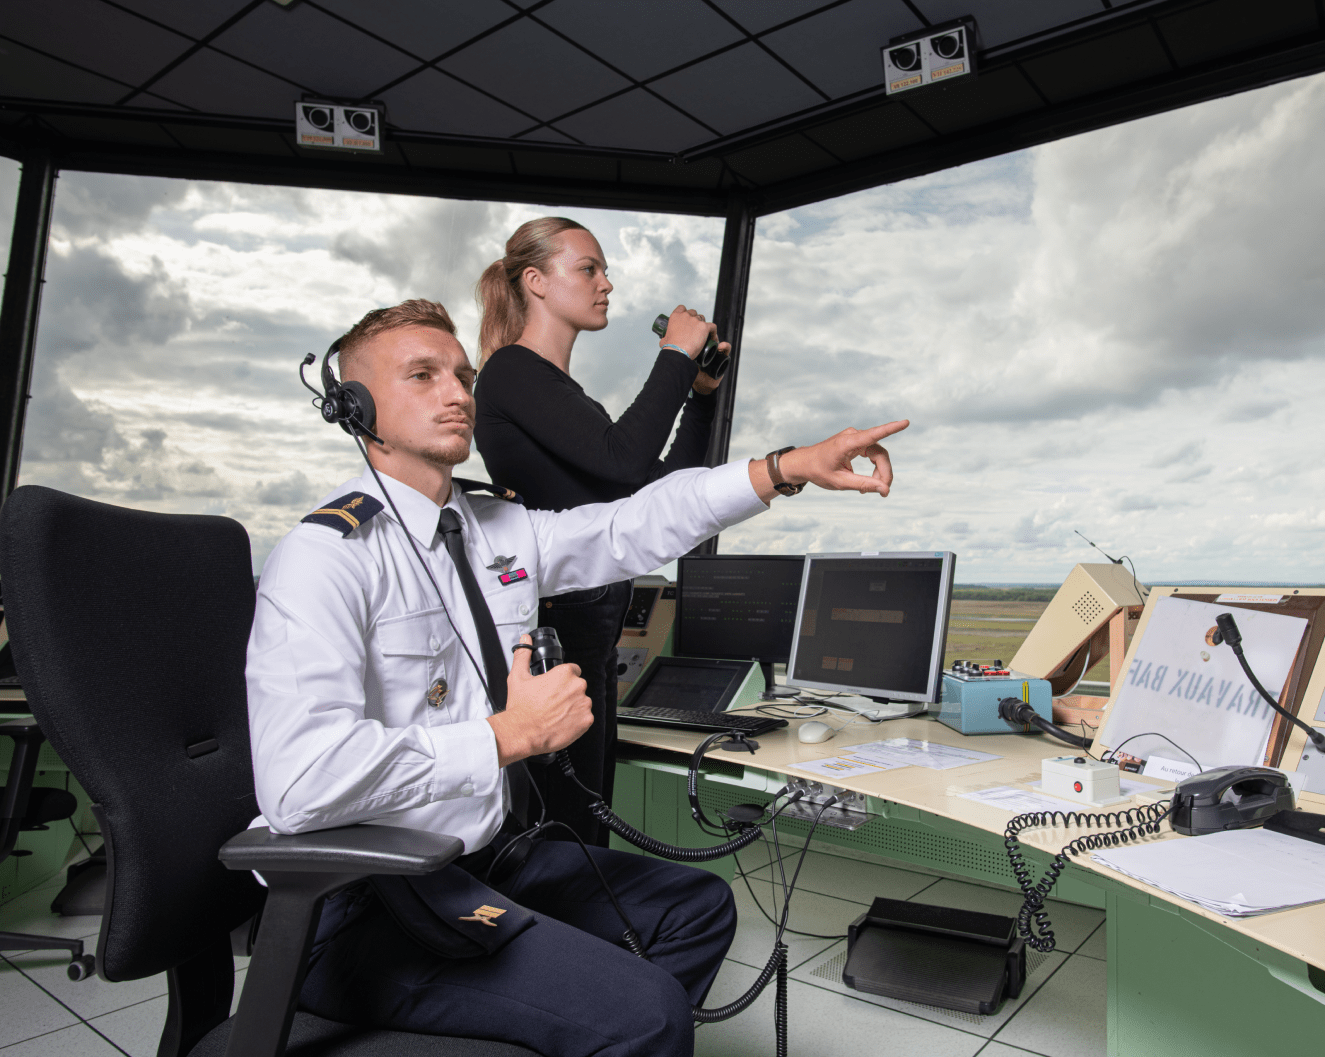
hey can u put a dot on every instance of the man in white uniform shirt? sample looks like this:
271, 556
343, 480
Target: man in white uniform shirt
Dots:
368, 703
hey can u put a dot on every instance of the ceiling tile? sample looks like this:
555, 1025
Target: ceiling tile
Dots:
1001, 21
642, 39
779, 160
197, 18
427, 28
94, 35
218, 84
635, 121
758, 15
534, 70
839, 49
315, 50
872, 132
1228, 26
1120, 58
25, 73
737, 89
433, 102
975, 101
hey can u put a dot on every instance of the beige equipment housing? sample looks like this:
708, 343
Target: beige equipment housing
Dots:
1074, 632
647, 632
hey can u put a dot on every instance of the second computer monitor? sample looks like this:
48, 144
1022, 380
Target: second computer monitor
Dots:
737, 606
874, 624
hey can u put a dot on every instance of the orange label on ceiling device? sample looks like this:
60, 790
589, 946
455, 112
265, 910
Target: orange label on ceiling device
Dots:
905, 82
948, 71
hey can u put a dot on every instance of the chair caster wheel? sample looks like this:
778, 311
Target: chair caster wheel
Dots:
82, 968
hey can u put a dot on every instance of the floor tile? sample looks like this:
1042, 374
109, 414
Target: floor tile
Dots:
137, 1029
78, 1041
91, 997
1071, 923
1098, 944
810, 912
1065, 1017
25, 1009
854, 879
998, 1049
820, 1022
31, 912
825, 971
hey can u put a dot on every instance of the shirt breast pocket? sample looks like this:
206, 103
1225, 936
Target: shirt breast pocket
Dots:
411, 649
514, 611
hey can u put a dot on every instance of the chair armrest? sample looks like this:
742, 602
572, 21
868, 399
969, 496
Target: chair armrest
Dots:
359, 849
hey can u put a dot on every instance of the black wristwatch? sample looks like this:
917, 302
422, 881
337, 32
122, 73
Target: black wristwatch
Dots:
780, 484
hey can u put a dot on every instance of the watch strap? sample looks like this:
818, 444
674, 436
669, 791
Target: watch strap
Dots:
780, 484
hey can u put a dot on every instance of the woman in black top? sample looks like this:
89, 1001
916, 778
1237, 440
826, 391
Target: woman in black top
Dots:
542, 435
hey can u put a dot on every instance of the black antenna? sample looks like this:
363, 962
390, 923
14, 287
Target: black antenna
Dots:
1116, 561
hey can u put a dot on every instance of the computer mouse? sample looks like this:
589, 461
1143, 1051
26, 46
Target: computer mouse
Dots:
813, 732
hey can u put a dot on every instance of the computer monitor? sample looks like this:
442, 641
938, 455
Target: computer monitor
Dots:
873, 624
738, 606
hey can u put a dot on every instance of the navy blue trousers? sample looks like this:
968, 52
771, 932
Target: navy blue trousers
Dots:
564, 987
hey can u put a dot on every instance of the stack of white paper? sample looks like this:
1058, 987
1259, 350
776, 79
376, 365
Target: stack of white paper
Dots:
1235, 873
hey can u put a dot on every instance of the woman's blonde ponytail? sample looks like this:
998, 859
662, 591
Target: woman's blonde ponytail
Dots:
500, 292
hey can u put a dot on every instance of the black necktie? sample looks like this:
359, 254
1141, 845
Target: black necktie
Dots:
489, 643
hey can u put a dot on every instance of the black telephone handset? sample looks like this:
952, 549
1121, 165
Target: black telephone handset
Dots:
1229, 798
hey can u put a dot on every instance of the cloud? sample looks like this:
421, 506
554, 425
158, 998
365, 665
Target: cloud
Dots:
294, 489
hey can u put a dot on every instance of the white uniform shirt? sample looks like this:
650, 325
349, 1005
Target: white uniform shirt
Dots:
348, 638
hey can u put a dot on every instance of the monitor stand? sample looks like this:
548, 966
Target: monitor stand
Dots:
772, 691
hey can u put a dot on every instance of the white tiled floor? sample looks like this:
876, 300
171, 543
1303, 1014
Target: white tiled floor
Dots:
1059, 1014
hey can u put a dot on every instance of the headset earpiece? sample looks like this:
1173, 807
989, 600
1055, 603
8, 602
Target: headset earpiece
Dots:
347, 404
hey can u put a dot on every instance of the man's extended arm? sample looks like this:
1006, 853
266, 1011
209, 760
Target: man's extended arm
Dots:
601, 543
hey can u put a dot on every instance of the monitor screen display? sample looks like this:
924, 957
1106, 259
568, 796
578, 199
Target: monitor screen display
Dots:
697, 689
873, 624
737, 606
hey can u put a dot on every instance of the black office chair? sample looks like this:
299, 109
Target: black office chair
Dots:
129, 632
24, 806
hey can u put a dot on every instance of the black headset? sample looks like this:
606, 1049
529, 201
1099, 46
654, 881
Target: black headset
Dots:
347, 404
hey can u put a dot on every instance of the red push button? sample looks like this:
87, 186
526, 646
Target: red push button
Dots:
1076, 786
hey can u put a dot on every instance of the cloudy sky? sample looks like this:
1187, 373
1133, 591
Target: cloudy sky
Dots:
1121, 333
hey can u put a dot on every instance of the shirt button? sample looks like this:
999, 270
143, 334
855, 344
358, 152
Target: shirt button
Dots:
524, 609
466, 790
434, 645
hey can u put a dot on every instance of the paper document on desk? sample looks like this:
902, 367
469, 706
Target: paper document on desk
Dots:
895, 752
911, 752
1018, 801
847, 766
1235, 873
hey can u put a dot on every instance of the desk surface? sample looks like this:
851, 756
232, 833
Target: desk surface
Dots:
1299, 932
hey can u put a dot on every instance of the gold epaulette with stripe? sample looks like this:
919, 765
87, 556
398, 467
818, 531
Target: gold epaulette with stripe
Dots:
346, 513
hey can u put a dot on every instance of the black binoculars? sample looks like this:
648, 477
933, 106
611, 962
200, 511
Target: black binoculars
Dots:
710, 360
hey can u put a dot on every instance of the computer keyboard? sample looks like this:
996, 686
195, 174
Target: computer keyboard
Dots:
704, 722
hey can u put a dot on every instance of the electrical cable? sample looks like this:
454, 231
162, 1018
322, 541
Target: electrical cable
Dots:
1112, 754
1228, 633
1032, 919
1015, 710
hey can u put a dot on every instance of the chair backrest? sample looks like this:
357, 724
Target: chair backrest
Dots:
129, 632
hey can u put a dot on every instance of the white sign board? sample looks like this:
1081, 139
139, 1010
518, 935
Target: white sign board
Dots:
337, 127
1194, 693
